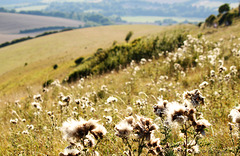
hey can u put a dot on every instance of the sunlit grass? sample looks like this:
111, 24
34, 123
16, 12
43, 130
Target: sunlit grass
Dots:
212, 59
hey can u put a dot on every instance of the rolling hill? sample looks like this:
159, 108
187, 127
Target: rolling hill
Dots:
11, 24
42, 53
182, 102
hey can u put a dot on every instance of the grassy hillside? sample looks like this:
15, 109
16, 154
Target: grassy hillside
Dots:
11, 24
63, 48
148, 108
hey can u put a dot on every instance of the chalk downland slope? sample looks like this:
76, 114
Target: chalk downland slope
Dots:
42, 53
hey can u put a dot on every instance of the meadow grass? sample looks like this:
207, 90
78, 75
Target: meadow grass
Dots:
63, 48
213, 60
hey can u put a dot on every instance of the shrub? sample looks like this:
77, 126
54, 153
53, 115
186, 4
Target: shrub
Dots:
55, 66
4, 44
210, 20
106, 60
46, 33
224, 8
85, 71
128, 36
47, 83
226, 19
79, 60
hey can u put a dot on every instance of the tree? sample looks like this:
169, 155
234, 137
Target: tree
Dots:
210, 20
129, 35
224, 8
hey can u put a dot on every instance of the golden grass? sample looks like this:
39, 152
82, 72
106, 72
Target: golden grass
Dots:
63, 48
220, 97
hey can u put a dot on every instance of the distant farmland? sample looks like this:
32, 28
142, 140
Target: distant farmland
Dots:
11, 24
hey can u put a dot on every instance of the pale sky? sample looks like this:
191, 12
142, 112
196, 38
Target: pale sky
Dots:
208, 3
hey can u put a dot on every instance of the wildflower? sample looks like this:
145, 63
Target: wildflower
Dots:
194, 96
196, 149
178, 149
130, 120
111, 100
203, 85
75, 108
143, 128
60, 95
92, 109
70, 152
14, 121
50, 113
95, 153
123, 93
14, 113
201, 125
154, 142
159, 150
230, 126
143, 61
104, 88
177, 66
60, 103
183, 74
132, 64
233, 70
227, 77
77, 101
212, 73
106, 110
89, 141
129, 110
191, 116
56, 83
74, 130
30, 127
235, 115
137, 68
45, 90
36, 113
38, 97
23, 120
123, 129
25, 132
177, 112
220, 62
37, 105
74, 113
17, 103
108, 118
66, 99
99, 132
140, 103
222, 69
159, 109
152, 151
162, 90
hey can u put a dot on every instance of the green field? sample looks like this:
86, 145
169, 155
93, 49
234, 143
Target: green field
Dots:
152, 19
